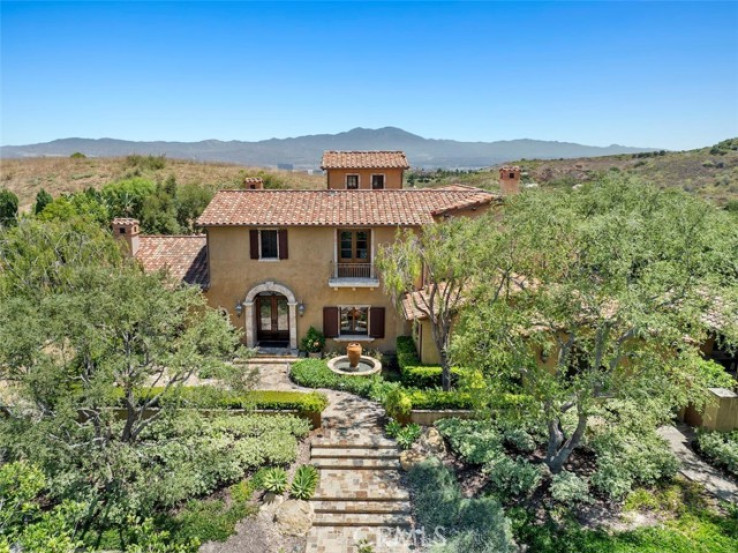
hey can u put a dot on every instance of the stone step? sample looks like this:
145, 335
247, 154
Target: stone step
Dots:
326, 539
362, 506
361, 519
355, 463
353, 443
353, 453
351, 484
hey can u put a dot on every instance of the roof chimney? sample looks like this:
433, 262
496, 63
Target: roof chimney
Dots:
253, 183
510, 180
127, 229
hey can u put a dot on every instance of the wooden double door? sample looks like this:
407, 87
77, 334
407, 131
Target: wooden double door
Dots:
272, 320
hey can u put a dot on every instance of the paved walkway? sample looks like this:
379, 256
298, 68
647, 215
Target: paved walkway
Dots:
360, 496
694, 468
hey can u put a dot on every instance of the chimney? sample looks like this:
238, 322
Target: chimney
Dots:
127, 229
253, 183
510, 180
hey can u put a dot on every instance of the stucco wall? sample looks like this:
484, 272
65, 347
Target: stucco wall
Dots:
337, 178
306, 272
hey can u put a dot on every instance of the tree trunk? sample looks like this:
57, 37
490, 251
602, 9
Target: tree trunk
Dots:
445, 371
559, 450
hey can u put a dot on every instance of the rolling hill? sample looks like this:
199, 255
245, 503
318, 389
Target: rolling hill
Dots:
305, 152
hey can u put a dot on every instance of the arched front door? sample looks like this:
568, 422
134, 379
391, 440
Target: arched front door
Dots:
272, 320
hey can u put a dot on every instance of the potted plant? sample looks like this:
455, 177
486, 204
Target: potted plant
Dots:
313, 343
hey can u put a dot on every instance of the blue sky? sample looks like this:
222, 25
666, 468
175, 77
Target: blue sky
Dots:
653, 74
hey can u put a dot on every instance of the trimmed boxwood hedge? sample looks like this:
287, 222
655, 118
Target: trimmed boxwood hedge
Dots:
413, 373
209, 397
314, 373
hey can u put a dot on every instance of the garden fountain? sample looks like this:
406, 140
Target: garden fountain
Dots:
354, 362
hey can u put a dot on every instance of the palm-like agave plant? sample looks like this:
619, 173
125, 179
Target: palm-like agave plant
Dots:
304, 482
275, 480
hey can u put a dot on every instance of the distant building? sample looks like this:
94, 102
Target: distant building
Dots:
510, 179
364, 170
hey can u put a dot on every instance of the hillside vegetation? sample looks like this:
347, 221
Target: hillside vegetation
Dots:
58, 175
711, 172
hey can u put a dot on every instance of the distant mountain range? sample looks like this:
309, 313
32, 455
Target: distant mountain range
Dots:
304, 152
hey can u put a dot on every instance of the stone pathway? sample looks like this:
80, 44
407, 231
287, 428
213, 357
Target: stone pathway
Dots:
694, 468
360, 497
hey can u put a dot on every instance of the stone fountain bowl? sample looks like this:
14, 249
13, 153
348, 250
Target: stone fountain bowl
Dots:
366, 366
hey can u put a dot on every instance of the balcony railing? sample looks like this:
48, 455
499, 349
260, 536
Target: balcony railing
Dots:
353, 275
352, 270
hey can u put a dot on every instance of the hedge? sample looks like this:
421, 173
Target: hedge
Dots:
413, 373
214, 398
314, 373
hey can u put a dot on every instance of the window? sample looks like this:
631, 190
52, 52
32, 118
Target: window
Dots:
354, 246
377, 182
512, 175
352, 182
354, 320
269, 244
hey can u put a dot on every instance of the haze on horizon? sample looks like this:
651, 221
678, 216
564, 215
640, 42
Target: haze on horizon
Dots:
638, 74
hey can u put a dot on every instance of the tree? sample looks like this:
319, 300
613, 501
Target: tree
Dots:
8, 208
43, 198
84, 329
618, 278
432, 269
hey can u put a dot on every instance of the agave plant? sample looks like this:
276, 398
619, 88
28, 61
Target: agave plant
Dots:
275, 480
304, 482
407, 436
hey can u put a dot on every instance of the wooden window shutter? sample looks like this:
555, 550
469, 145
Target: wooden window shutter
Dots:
330, 322
376, 322
254, 240
282, 238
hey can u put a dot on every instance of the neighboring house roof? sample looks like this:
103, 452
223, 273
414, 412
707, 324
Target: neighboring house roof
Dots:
185, 257
339, 207
364, 160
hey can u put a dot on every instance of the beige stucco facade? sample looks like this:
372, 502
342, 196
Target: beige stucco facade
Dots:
336, 178
303, 278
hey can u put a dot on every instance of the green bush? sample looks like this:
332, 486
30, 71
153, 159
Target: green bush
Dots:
476, 442
437, 399
398, 404
392, 428
78, 155
304, 482
628, 458
568, 488
408, 435
413, 373
314, 341
721, 449
8, 208
519, 439
468, 525
513, 477
275, 480
210, 397
149, 162
314, 373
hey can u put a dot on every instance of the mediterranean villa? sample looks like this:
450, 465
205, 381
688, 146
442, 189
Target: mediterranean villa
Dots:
281, 261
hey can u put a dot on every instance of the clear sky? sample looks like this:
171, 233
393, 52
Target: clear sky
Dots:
654, 74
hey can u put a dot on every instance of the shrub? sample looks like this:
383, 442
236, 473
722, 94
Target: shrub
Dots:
721, 449
628, 458
304, 482
43, 198
408, 435
314, 373
413, 373
714, 375
392, 428
275, 480
314, 341
150, 162
514, 477
78, 155
568, 488
439, 399
398, 404
520, 440
8, 207
468, 525
477, 442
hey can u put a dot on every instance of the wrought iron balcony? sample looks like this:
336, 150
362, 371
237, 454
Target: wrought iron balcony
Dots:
353, 275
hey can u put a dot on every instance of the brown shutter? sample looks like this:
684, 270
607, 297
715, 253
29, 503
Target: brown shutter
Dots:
330, 322
282, 238
254, 239
376, 322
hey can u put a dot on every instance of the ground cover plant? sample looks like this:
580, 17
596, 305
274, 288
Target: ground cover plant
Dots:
720, 449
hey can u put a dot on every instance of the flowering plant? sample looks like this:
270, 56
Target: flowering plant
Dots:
314, 341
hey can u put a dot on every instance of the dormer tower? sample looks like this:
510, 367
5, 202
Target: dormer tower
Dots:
364, 170
127, 230
510, 180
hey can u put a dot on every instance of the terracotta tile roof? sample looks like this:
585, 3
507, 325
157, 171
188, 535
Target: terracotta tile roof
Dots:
333, 159
338, 207
184, 257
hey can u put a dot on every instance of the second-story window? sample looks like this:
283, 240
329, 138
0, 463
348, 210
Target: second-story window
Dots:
354, 320
377, 182
352, 182
269, 244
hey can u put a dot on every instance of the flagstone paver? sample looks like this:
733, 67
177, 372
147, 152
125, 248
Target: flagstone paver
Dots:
360, 497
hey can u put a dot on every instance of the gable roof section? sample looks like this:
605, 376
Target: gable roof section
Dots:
185, 257
333, 159
338, 207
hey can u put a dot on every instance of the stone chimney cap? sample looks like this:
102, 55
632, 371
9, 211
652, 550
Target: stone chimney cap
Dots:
510, 168
125, 221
